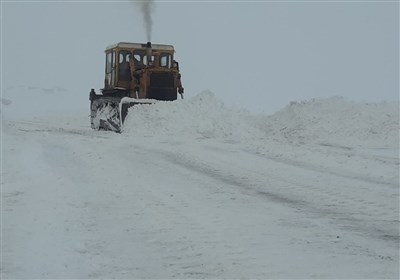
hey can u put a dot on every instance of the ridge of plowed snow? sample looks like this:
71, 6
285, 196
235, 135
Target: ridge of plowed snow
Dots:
336, 120
317, 120
203, 116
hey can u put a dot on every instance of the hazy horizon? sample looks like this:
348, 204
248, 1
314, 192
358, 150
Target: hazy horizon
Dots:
257, 56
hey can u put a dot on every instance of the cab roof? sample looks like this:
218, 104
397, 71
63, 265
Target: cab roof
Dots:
140, 46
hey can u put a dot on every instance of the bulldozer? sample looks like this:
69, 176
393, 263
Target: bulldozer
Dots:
135, 73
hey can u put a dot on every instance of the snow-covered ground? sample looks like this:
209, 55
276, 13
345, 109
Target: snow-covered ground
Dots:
192, 189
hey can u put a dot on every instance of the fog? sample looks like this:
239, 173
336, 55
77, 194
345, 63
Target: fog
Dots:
258, 56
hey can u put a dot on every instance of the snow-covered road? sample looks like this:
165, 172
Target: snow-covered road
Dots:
191, 203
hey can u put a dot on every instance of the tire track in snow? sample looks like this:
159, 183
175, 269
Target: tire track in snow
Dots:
348, 212
323, 170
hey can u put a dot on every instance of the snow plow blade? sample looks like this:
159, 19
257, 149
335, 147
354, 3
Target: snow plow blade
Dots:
109, 113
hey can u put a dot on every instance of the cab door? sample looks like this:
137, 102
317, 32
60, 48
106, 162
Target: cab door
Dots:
110, 75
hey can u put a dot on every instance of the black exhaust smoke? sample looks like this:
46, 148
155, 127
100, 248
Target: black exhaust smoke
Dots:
147, 7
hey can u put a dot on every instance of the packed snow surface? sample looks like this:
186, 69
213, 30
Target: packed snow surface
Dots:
193, 189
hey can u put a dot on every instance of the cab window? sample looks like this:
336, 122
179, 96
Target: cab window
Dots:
145, 62
124, 56
139, 58
123, 67
165, 60
109, 61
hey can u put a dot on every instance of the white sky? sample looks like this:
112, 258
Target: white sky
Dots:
256, 55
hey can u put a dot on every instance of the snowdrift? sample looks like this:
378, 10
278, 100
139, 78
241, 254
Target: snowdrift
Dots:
201, 116
328, 121
318, 120
336, 120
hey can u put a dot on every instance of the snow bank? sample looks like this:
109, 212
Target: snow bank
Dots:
335, 120
328, 121
201, 116
331, 120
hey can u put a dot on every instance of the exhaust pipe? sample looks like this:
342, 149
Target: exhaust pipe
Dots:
149, 53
